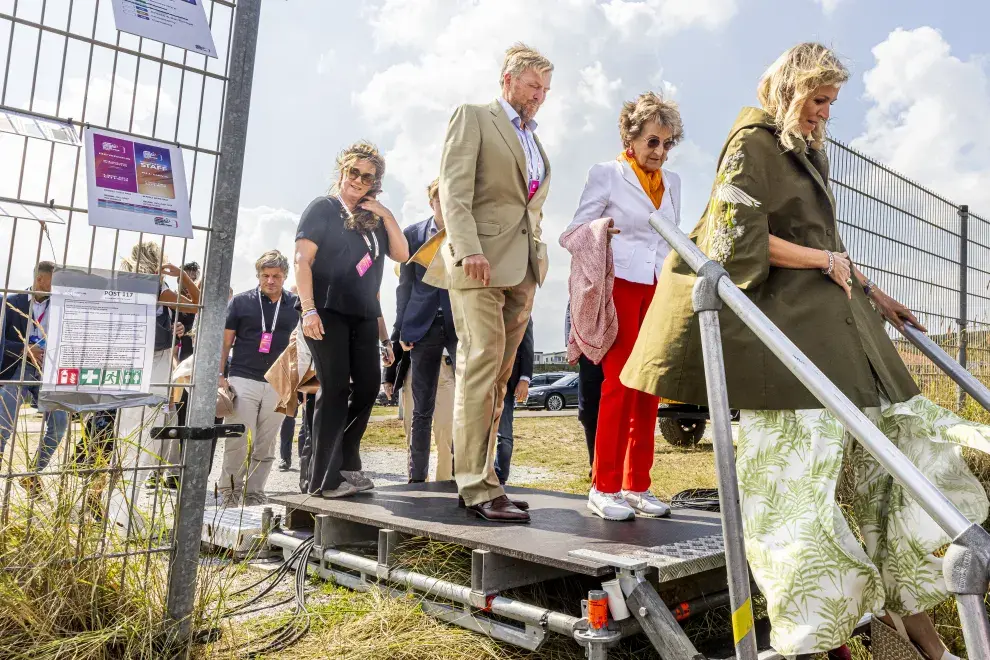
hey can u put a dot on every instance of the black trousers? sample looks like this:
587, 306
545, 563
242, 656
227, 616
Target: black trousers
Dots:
348, 364
306, 442
287, 433
590, 377
424, 374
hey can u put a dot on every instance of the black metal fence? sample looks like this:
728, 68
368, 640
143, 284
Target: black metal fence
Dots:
924, 250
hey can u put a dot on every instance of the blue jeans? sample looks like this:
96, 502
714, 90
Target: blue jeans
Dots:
54, 422
503, 450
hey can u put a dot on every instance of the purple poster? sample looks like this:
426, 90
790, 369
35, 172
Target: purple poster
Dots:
114, 163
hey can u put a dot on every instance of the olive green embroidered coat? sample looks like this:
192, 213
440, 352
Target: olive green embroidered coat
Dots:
761, 189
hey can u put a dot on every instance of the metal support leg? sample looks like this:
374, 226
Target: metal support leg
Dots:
967, 576
707, 305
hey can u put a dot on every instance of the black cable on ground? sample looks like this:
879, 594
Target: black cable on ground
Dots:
290, 632
701, 499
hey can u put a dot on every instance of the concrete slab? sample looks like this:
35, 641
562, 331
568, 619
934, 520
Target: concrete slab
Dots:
561, 523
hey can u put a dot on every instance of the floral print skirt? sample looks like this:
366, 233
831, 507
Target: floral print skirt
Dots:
818, 578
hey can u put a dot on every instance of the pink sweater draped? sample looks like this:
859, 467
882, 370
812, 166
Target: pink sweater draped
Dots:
593, 322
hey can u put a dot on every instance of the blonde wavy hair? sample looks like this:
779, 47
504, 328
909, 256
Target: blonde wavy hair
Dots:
359, 218
790, 81
649, 107
146, 258
520, 57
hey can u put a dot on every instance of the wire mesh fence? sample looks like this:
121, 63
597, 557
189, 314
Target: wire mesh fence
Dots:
88, 501
926, 252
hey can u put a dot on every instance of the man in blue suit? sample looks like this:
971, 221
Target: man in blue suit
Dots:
25, 330
426, 328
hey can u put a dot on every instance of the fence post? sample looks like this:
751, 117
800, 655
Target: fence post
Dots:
963, 268
182, 588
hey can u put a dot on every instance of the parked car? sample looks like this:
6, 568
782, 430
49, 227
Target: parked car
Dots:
539, 380
562, 393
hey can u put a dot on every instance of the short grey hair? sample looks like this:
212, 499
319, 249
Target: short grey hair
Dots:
272, 259
649, 107
521, 57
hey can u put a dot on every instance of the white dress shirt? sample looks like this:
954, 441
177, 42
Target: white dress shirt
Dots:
535, 166
614, 191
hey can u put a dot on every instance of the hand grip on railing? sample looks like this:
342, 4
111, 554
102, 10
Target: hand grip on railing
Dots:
944, 361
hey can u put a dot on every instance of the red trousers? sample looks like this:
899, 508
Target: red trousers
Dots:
627, 418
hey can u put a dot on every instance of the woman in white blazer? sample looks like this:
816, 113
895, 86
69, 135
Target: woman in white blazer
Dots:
629, 189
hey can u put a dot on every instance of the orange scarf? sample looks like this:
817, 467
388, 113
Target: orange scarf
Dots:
652, 182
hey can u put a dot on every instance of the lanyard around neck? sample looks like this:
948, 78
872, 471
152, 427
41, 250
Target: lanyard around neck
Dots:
274, 318
364, 235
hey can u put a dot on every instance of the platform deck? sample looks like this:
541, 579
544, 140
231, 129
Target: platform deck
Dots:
686, 543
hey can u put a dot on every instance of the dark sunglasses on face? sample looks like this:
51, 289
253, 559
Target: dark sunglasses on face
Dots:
654, 142
354, 174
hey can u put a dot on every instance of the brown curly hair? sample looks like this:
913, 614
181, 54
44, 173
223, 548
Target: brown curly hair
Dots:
649, 107
362, 150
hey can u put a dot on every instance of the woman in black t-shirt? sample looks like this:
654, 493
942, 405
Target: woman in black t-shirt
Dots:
341, 244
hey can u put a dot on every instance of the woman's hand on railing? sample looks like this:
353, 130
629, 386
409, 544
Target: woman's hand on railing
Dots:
841, 272
894, 311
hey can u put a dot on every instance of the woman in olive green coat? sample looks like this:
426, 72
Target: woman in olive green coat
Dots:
771, 223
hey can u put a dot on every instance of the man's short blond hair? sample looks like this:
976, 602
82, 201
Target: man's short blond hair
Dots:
433, 190
521, 57
272, 259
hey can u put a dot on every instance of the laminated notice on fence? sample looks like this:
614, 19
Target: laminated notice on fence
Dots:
180, 23
101, 341
136, 184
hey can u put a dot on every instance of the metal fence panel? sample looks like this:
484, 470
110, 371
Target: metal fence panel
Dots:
65, 60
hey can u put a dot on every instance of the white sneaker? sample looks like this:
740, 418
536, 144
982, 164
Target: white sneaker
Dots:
610, 506
345, 489
646, 504
357, 479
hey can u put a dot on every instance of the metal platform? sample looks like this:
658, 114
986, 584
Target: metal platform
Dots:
562, 527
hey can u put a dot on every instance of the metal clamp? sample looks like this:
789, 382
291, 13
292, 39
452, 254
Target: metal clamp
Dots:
197, 432
705, 296
967, 563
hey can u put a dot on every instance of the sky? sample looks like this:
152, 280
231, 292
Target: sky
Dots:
391, 71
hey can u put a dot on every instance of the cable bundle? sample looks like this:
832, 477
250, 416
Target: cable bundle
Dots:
297, 625
701, 499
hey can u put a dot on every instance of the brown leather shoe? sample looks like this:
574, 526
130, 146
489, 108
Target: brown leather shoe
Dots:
519, 504
500, 509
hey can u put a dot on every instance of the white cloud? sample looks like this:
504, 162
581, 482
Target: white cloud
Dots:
446, 52
828, 6
662, 17
928, 115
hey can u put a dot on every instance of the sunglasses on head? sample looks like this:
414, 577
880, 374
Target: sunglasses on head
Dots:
654, 142
354, 174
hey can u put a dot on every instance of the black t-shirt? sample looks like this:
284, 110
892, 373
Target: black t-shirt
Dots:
244, 317
342, 255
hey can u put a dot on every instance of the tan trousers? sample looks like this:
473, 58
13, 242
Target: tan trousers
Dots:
443, 420
490, 326
247, 460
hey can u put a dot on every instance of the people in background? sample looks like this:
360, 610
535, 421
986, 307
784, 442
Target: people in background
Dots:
341, 244
25, 331
259, 324
628, 190
426, 331
771, 223
494, 179
134, 424
590, 379
517, 389
288, 431
188, 320
395, 379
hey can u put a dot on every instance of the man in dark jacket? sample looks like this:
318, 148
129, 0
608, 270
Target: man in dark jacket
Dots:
426, 328
25, 332
517, 389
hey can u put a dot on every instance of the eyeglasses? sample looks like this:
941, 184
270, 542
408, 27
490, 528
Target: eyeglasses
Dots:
354, 174
654, 142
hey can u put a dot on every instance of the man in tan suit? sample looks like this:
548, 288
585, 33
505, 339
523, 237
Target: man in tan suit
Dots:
494, 178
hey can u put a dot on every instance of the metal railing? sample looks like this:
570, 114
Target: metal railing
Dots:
967, 562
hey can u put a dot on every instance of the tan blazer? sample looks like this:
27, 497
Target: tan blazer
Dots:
483, 193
